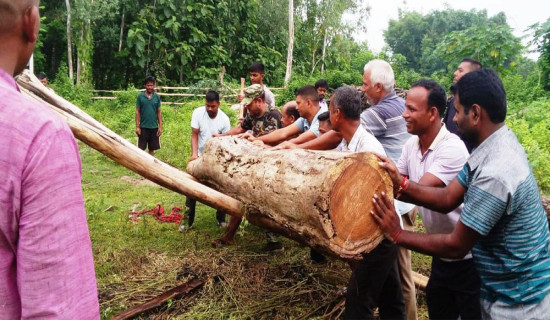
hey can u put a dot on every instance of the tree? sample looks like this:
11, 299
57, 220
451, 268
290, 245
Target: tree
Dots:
541, 39
290, 41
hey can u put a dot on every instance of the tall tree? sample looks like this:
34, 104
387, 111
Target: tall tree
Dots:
541, 39
290, 41
69, 40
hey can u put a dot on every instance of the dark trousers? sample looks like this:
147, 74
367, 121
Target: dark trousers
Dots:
190, 212
375, 283
453, 290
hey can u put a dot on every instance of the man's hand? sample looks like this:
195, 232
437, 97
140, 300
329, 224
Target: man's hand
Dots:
285, 145
159, 132
387, 163
217, 135
138, 131
384, 214
247, 135
192, 158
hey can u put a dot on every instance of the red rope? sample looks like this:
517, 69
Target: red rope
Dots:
158, 213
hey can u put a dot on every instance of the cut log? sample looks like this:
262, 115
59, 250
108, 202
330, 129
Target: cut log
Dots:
99, 137
320, 198
156, 302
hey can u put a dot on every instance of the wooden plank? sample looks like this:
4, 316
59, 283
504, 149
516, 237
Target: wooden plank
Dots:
158, 301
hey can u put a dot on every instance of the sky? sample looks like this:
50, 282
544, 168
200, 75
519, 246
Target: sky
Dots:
520, 15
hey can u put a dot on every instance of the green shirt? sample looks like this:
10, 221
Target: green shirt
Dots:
148, 110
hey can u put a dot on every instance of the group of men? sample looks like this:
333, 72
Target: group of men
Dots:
486, 227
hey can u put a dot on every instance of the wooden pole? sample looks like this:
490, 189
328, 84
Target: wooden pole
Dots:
241, 109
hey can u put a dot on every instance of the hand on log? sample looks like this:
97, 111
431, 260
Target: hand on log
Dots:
384, 214
285, 145
391, 168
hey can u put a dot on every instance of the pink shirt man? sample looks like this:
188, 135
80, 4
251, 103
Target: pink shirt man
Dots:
46, 262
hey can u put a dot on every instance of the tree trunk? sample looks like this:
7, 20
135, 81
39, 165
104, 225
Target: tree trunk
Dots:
290, 41
324, 52
69, 40
320, 198
121, 30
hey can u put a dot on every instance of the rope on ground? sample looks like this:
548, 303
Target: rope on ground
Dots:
158, 213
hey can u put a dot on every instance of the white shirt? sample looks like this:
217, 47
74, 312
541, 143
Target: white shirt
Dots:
362, 141
444, 158
304, 125
269, 97
208, 126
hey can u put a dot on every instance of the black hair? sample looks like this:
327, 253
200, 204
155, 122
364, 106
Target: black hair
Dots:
484, 88
321, 83
309, 92
150, 79
257, 67
324, 116
476, 65
212, 96
348, 100
41, 76
436, 95
292, 111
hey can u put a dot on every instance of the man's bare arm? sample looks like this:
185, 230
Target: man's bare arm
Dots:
279, 135
194, 144
234, 131
327, 141
304, 137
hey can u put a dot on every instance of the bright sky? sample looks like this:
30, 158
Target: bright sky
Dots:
520, 15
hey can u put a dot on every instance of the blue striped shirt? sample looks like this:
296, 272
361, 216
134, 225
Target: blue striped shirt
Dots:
502, 203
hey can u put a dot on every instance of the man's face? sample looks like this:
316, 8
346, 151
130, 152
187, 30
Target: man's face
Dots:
322, 91
463, 123
212, 108
286, 119
150, 87
417, 114
256, 77
301, 106
370, 89
324, 127
255, 107
462, 69
44, 81
333, 116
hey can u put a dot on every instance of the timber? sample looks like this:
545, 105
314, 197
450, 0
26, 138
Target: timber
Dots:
156, 302
319, 198
99, 137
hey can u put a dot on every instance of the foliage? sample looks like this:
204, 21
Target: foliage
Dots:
80, 94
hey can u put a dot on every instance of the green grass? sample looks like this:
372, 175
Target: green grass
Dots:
137, 261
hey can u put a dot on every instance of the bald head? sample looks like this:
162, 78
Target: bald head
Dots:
10, 12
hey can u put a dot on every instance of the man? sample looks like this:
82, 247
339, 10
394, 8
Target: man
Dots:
467, 65
289, 113
307, 126
46, 261
256, 72
205, 122
502, 222
433, 157
44, 79
260, 120
324, 123
322, 86
148, 117
383, 120
375, 280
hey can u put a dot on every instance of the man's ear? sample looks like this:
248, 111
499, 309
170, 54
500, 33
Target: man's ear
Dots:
31, 23
475, 113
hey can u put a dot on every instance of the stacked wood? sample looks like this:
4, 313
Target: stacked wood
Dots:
320, 198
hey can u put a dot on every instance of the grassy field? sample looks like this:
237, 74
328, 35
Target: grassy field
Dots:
136, 261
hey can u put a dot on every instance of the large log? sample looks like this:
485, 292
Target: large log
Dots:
99, 137
320, 198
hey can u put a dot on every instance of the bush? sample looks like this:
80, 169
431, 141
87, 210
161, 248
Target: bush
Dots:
80, 94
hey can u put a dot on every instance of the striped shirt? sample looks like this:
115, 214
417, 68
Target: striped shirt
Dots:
502, 203
384, 121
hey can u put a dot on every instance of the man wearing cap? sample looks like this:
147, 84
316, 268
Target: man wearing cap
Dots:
260, 120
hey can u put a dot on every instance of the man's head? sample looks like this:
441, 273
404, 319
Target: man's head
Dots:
467, 65
345, 106
19, 26
378, 80
425, 105
42, 77
254, 100
324, 123
290, 113
321, 86
149, 84
307, 100
480, 100
212, 103
256, 71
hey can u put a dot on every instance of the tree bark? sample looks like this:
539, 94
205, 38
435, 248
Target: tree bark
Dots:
69, 40
122, 30
290, 42
320, 198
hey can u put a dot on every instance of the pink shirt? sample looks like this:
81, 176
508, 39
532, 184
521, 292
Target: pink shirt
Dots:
46, 262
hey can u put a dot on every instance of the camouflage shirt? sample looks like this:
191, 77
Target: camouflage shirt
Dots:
264, 124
